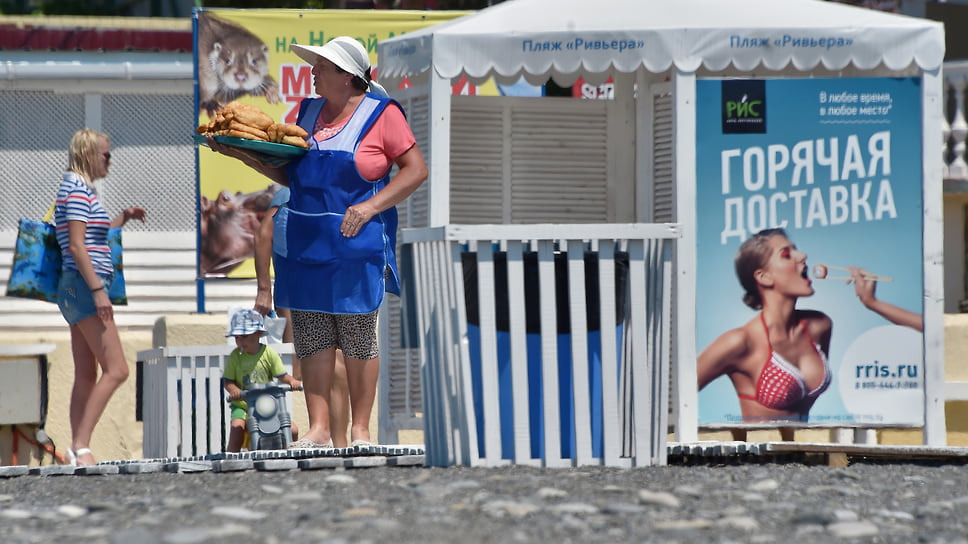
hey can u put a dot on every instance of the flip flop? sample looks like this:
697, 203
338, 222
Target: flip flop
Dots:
307, 444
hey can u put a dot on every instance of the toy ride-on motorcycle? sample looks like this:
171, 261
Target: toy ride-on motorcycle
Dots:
269, 423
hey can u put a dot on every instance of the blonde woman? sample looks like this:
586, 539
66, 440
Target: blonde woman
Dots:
82, 296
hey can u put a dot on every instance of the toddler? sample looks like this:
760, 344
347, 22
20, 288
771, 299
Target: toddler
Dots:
251, 363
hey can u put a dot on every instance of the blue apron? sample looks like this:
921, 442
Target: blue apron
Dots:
317, 268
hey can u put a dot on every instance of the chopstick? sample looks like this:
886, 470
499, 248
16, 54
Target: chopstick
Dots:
825, 267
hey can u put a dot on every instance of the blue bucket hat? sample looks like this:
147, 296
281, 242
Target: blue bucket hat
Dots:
245, 322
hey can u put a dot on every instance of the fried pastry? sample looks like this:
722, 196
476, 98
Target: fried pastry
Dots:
248, 115
240, 120
295, 140
278, 133
253, 133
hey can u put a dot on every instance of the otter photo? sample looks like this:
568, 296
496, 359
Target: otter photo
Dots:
232, 62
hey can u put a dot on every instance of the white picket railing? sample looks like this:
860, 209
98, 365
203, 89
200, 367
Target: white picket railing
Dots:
184, 408
628, 418
955, 126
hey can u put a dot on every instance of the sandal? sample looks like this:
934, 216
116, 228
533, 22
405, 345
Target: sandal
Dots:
73, 455
360, 443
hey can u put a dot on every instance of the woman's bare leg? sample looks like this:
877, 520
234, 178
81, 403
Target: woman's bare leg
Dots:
85, 376
361, 378
104, 344
339, 406
317, 374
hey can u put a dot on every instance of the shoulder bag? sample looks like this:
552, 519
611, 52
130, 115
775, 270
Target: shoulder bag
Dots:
36, 268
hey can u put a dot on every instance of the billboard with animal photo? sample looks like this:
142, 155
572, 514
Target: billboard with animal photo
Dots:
810, 284
243, 62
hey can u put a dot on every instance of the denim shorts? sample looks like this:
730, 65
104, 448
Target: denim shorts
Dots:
74, 297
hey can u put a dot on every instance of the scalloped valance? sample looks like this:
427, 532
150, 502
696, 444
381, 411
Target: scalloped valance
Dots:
544, 38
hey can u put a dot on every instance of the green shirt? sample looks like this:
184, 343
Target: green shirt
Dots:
245, 369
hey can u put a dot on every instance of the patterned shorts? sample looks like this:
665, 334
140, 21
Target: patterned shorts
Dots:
355, 334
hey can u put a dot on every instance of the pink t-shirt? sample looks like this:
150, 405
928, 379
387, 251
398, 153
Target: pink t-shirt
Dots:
387, 139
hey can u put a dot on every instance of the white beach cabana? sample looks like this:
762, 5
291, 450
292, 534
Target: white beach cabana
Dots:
554, 163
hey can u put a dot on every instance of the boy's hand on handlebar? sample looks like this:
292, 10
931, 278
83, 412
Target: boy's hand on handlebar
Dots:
296, 385
235, 395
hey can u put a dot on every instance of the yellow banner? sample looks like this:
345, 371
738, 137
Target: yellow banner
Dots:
244, 55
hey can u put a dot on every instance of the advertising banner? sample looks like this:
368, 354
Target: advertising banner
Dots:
244, 55
836, 164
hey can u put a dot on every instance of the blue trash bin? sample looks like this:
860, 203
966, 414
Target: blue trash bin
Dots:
532, 318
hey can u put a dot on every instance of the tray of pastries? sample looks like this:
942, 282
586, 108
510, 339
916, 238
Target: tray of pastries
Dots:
248, 128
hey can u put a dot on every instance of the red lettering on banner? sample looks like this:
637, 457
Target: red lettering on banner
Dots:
296, 80
296, 83
290, 116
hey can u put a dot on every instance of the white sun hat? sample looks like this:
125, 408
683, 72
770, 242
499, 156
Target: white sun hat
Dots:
345, 52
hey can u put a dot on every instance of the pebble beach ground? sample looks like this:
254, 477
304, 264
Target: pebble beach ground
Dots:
730, 502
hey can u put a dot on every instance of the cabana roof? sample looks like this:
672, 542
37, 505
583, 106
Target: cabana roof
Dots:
565, 39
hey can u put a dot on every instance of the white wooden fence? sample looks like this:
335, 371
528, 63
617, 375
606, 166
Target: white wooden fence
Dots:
631, 413
184, 408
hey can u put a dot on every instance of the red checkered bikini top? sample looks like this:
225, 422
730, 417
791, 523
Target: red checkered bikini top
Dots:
781, 385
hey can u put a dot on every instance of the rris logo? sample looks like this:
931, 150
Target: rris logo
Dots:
744, 106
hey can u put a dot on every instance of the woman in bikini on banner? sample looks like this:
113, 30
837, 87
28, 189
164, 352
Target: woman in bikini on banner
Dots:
777, 361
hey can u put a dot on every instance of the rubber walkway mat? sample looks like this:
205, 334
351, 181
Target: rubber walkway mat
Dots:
831, 454
262, 460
